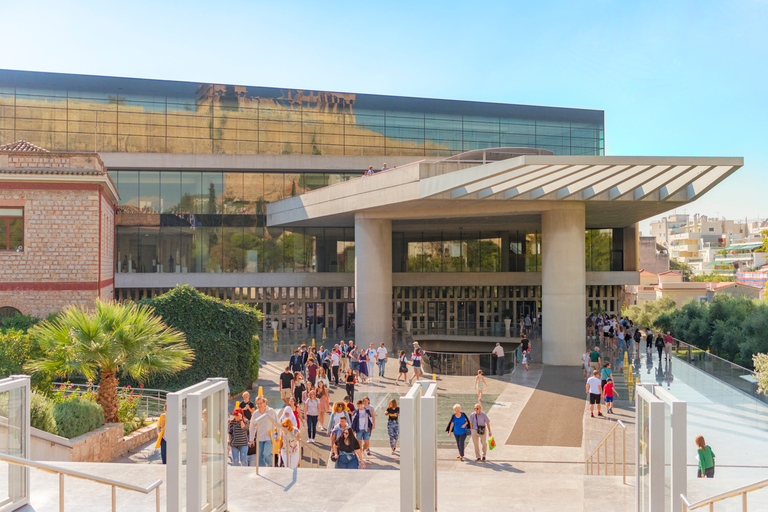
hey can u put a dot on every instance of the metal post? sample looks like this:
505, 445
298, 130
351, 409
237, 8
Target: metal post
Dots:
614, 452
744, 502
157, 499
258, 449
605, 464
598, 461
114, 499
624, 455
61, 492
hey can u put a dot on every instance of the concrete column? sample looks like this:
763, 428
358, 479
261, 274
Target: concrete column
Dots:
632, 247
373, 280
563, 284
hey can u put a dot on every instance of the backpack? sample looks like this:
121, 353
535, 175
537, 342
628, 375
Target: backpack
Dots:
659, 342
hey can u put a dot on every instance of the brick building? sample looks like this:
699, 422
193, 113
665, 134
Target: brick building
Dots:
57, 229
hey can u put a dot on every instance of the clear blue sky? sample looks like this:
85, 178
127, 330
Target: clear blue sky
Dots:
674, 78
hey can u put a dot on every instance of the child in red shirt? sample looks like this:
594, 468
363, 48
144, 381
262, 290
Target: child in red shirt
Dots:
609, 391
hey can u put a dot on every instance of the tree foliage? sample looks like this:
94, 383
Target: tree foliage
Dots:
115, 339
731, 327
223, 336
681, 267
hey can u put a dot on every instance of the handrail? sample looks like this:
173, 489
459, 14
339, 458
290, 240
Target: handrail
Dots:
48, 468
724, 495
604, 443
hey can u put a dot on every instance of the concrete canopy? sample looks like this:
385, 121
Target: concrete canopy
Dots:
617, 191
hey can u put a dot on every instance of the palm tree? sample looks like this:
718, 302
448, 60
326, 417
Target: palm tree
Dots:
116, 337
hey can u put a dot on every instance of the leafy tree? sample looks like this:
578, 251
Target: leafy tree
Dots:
765, 240
684, 268
212, 198
116, 338
761, 368
713, 278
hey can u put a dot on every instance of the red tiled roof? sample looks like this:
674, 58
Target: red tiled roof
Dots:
22, 145
670, 272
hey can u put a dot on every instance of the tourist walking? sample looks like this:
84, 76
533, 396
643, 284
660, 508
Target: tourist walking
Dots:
381, 359
605, 373
668, 340
403, 370
416, 362
298, 388
362, 425
609, 391
258, 431
649, 341
372, 355
363, 367
238, 438
347, 451
372, 414
457, 426
286, 384
706, 459
660, 347
481, 430
335, 362
480, 384
499, 351
312, 411
585, 363
393, 424
290, 450
325, 403
527, 359
595, 392
339, 411
353, 355
161, 433
349, 381
595, 361
312, 368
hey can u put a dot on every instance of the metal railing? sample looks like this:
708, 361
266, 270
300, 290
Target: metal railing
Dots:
315, 456
151, 401
62, 472
741, 491
595, 455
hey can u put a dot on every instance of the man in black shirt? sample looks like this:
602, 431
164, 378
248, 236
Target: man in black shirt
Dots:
286, 385
296, 361
525, 344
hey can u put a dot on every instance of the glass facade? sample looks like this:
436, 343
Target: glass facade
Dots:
64, 112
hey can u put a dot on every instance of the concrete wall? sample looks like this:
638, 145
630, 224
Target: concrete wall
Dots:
650, 259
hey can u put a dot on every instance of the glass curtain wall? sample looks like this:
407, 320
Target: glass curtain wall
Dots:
84, 113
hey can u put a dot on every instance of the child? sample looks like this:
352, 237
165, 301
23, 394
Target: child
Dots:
609, 391
527, 359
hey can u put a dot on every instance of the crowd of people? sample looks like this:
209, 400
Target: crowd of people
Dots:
305, 390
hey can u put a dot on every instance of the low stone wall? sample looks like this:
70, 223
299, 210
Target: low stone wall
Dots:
100, 445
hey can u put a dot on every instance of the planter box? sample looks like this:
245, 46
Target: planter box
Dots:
101, 445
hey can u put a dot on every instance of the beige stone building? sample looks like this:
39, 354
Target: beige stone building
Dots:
57, 230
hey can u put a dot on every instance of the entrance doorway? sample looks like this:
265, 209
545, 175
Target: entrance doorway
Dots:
437, 314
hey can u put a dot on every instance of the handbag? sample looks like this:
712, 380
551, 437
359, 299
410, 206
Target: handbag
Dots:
491, 443
481, 430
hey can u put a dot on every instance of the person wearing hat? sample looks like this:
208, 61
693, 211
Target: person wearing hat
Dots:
238, 438
595, 361
608, 393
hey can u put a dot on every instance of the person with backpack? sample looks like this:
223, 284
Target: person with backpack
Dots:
458, 426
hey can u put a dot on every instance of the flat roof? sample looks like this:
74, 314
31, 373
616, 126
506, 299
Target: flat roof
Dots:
618, 191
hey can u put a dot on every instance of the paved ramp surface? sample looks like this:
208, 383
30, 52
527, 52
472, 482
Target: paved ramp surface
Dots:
554, 414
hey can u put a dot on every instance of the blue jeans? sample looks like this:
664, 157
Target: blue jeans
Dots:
461, 440
163, 451
500, 366
311, 426
240, 455
347, 461
382, 363
265, 454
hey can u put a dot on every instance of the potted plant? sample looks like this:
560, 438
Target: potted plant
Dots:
407, 319
507, 316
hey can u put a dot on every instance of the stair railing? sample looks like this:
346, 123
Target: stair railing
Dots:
595, 455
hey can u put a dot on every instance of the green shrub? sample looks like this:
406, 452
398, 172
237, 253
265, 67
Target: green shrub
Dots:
18, 322
16, 348
41, 413
222, 335
77, 416
127, 404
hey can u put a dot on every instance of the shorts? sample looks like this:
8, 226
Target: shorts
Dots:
286, 393
594, 398
608, 399
363, 435
594, 365
354, 365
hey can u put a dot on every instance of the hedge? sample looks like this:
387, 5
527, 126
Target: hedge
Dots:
223, 335
77, 416
41, 413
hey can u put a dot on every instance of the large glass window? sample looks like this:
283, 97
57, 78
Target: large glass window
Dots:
116, 114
